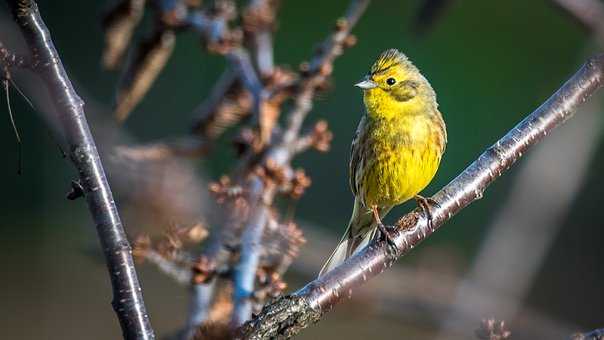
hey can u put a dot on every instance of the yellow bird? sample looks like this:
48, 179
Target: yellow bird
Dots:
396, 150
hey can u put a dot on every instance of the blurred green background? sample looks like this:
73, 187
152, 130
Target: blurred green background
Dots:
491, 63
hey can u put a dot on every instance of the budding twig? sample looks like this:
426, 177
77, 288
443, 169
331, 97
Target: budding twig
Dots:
290, 314
279, 155
320, 67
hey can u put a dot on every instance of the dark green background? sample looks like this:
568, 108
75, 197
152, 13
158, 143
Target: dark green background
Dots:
490, 63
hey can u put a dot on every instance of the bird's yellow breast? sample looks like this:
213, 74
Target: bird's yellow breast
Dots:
403, 154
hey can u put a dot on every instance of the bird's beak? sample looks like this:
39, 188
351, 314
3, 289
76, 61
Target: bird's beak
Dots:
366, 84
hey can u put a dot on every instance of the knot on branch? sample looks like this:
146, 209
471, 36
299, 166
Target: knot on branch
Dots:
282, 318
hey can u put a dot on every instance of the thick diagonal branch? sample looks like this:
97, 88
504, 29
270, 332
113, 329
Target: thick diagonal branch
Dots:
292, 313
128, 300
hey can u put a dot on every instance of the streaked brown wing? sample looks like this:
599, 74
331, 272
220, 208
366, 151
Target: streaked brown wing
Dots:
356, 155
442, 133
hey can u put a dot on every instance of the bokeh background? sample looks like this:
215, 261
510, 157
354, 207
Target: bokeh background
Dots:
490, 63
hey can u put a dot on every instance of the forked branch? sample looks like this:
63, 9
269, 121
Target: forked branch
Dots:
290, 314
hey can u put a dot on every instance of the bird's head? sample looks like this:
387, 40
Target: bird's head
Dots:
393, 81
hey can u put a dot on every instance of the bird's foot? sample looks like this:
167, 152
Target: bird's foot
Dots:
385, 234
426, 205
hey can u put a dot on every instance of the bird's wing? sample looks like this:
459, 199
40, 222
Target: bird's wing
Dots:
356, 155
443, 127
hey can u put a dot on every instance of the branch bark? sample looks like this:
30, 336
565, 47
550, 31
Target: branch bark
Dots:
290, 314
128, 300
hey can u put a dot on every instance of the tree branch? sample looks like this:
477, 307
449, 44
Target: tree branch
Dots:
128, 300
290, 314
320, 67
279, 155
258, 22
244, 275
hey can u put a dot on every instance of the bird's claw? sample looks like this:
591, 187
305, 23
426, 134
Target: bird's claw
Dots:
426, 205
386, 236
385, 233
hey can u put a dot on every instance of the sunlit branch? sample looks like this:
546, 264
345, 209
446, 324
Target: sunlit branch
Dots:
292, 313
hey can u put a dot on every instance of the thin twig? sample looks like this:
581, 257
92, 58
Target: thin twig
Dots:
320, 67
186, 147
241, 62
280, 154
259, 18
10, 111
245, 272
180, 274
128, 300
9, 59
207, 117
290, 314
199, 308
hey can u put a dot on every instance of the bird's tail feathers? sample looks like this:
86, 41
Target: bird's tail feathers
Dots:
348, 246
361, 230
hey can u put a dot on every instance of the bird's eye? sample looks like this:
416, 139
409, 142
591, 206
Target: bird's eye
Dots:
390, 81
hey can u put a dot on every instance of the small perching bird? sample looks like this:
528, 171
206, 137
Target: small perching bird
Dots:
396, 150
